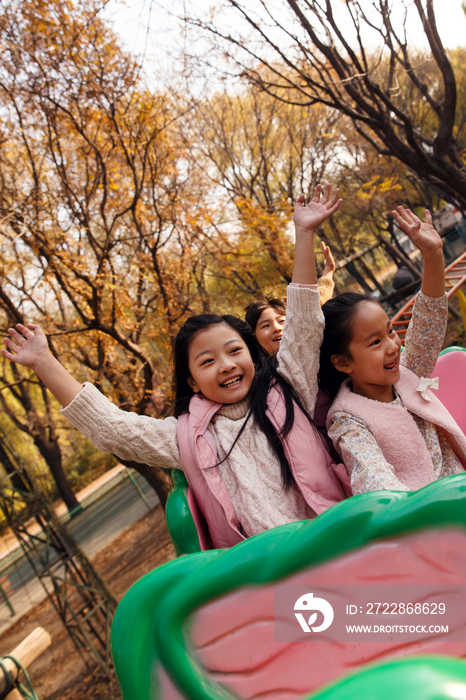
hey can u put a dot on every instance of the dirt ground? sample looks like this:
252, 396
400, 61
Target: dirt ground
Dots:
60, 674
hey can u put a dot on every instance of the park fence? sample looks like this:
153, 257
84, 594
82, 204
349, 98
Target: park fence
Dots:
98, 520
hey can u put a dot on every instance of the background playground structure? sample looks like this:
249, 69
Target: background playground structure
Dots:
60, 674
455, 279
108, 507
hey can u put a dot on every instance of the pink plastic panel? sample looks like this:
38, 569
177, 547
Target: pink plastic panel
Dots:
168, 690
234, 637
451, 370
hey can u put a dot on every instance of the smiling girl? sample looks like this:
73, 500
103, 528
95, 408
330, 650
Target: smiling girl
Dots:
388, 427
242, 430
267, 316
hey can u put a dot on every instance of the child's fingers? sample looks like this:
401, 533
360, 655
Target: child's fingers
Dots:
333, 199
400, 212
328, 200
327, 253
326, 193
8, 355
406, 214
21, 334
317, 194
17, 336
298, 205
11, 345
336, 206
23, 329
412, 217
406, 219
429, 219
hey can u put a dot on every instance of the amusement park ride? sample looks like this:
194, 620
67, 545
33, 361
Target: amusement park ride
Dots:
204, 627
455, 277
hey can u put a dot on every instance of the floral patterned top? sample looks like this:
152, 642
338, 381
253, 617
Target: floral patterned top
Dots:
358, 448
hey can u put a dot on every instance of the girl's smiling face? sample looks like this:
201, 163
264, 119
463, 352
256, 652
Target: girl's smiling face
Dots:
220, 364
374, 354
269, 330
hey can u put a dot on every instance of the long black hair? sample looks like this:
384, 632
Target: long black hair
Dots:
339, 315
266, 375
183, 340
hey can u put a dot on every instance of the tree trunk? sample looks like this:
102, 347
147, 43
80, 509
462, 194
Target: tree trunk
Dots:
401, 256
5, 461
358, 277
372, 277
52, 454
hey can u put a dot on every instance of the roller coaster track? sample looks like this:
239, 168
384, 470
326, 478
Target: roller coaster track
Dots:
455, 277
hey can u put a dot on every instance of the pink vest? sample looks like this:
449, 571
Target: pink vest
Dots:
395, 429
316, 476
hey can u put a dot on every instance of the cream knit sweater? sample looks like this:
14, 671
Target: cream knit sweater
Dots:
326, 286
252, 472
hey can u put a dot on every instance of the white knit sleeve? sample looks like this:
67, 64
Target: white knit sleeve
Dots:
127, 435
298, 356
326, 287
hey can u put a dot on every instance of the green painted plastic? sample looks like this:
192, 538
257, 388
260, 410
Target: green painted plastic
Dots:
180, 522
415, 678
453, 348
150, 622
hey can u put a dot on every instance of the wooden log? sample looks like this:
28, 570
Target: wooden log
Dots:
26, 652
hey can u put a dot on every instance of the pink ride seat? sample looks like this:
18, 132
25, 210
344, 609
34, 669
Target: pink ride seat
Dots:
451, 370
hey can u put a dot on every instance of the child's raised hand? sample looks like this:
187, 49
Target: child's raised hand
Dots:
329, 267
27, 344
423, 234
322, 205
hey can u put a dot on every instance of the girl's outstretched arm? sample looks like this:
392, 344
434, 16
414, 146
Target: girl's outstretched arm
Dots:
28, 346
426, 332
325, 282
306, 220
424, 235
298, 356
129, 436
329, 267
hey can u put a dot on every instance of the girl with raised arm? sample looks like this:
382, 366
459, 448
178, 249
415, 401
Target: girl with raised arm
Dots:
267, 315
242, 430
385, 422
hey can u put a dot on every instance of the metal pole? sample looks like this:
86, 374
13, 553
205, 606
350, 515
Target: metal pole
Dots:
138, 489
